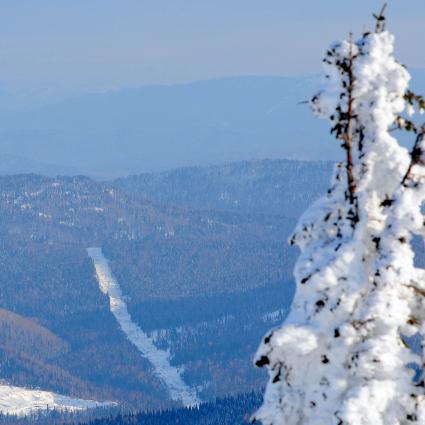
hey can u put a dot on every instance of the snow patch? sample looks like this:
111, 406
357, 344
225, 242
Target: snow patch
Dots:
22, 401
159, 359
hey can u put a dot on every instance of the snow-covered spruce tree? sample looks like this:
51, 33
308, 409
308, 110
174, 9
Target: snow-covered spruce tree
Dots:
342, 356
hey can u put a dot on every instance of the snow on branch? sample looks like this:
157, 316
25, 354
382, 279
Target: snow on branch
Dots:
344, 355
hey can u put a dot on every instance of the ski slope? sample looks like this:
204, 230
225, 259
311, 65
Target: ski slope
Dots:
171, 376
22, 401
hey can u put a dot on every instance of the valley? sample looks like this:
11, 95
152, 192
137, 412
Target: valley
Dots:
202, 279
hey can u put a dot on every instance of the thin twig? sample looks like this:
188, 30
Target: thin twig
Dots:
415, 155
380, 19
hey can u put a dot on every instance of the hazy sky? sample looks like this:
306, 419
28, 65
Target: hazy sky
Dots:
66, 47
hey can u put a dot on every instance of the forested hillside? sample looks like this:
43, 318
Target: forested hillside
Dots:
227, 411
203, 279
235, 410
277, 187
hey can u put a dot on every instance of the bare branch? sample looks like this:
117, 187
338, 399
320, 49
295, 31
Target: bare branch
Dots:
419, 291
348, 136
415, 155
380, 19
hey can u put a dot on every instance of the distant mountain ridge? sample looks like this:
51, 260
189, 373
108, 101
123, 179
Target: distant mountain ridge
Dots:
13, 164
161, 127
279, 186
155, 128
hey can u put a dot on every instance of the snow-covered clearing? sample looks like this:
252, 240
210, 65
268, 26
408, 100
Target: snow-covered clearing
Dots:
22, 401
159, 359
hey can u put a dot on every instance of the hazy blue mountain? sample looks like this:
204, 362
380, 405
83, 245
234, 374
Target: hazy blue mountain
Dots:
12, 164
160, 127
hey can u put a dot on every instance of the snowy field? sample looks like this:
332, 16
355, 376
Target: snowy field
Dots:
22, 401
159, 359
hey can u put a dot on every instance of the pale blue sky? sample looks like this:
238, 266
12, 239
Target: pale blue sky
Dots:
56, 48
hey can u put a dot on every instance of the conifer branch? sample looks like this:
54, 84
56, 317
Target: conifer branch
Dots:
325, 332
